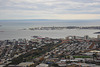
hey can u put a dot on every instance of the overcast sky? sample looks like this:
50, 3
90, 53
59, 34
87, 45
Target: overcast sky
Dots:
49, 9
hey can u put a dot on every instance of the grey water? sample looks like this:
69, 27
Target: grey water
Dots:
12, 29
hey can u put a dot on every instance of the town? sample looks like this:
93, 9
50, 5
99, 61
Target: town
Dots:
71, 51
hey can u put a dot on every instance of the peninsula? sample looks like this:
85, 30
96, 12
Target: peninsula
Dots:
68, 27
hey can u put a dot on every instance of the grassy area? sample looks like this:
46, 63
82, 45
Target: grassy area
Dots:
82, 56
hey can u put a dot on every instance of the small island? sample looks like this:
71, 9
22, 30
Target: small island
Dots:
97, 33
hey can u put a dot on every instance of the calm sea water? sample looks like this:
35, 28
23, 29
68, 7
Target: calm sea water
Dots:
12, 29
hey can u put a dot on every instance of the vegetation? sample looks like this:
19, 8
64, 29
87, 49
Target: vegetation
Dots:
82, 56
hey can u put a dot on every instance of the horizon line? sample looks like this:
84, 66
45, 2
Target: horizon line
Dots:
42, 19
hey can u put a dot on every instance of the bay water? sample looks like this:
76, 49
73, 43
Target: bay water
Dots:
14, 29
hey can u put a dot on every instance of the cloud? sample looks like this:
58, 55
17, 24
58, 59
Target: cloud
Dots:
19, 14
48, 7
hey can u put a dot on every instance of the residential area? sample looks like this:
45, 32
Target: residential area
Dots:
72, 51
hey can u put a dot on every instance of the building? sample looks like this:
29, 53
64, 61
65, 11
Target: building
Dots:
98, 36
86, 37
42, 65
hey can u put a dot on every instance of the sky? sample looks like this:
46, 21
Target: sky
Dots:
49, 9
